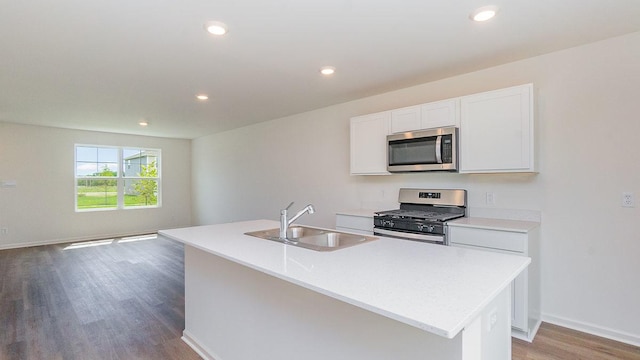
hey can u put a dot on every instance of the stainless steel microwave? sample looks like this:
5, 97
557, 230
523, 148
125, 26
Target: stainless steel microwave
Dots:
424, 150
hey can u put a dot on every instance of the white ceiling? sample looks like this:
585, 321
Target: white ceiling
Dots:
104, 65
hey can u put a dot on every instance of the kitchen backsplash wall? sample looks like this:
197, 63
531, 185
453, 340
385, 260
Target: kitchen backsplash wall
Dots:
586, 101
513, 194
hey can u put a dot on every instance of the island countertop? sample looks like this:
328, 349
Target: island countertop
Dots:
435, 288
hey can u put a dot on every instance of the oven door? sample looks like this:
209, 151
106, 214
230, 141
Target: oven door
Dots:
398, 234
428, 150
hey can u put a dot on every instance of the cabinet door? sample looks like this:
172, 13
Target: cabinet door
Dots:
437, 114
405, 119
520, 302
369, 144
496, 131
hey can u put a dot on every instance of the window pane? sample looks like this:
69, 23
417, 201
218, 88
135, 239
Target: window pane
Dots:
86, 154
86, 169
140, 163
140, 192
108, 155
97, 193
96, 161
107, 169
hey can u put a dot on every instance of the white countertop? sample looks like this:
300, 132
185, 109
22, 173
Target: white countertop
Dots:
436, 288
495, 224
357, 212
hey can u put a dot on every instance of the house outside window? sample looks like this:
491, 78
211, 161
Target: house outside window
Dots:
111, 178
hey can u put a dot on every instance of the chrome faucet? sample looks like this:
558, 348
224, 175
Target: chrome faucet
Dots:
285, 223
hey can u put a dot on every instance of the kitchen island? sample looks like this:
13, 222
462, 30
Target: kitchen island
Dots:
249, 298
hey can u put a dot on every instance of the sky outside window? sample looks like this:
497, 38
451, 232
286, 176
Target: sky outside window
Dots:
91, 161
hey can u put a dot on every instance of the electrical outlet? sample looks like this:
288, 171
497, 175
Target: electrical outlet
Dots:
627, 200
493, 319
4, 231
490, 198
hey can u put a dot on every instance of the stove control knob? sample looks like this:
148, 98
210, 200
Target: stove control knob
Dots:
430, 228
388, 223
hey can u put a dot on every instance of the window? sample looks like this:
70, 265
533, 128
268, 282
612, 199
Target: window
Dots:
116, 177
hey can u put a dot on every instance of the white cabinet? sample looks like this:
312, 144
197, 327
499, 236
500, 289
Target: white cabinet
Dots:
431, 115
437, 114
360, 222
510, 237
405, 119
369, 143
496, 131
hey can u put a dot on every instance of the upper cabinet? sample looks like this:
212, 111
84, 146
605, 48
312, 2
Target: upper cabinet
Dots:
437, 114
495, 127
369, 143
405, 119
496, 131
443, 113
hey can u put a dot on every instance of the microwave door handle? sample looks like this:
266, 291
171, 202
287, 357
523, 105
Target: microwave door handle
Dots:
439, 149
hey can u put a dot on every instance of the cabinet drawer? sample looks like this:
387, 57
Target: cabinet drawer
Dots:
490, 239
355, 222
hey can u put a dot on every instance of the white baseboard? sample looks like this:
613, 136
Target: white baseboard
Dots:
627, 338
195, 345
527, 336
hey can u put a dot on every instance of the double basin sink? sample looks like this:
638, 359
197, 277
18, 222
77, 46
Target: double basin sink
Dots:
313, 238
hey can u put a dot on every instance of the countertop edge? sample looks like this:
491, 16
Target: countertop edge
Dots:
449, 332
368, 213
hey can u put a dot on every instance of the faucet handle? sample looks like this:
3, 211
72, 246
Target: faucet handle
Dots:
283, 212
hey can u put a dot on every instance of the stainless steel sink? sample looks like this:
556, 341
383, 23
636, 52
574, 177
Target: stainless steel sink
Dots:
312, 238
294, 232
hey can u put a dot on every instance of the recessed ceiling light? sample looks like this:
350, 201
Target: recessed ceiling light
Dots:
143, 123
327, 70
216, 27
202, 97
484, 13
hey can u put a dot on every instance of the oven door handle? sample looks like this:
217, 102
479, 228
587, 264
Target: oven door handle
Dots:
404, 235
439, 149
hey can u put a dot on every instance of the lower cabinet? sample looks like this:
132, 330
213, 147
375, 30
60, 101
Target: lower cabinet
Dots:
358, 221
509, 237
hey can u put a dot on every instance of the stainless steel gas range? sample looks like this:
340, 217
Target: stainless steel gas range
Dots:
423, 215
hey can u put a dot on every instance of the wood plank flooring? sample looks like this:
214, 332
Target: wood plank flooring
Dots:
119, 299
559, 343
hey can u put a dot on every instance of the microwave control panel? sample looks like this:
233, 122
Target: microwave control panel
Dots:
447, 149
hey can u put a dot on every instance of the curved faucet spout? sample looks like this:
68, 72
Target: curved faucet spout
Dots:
309, 208
285, 223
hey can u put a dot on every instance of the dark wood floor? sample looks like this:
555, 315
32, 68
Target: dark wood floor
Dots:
125, 300
116, 300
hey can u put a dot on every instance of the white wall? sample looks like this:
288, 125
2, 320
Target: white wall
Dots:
587, 133
41, 208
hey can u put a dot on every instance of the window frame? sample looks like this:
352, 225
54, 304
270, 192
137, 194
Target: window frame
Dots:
120, 179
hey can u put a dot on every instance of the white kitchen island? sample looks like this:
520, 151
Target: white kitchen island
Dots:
250, 298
